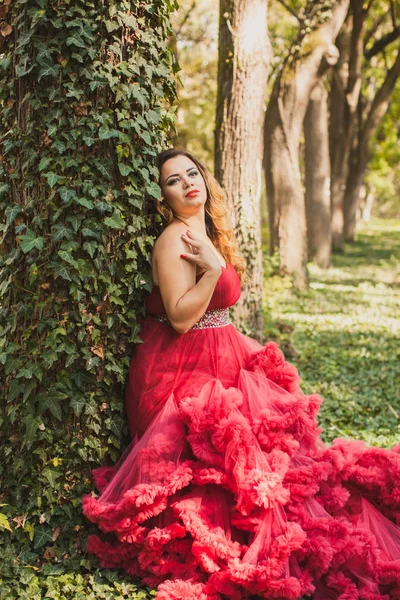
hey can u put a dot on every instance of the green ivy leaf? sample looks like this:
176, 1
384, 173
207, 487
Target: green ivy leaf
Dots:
105, 133
51, 476
89, 141
85, 202
67, 256
115, 222
77, 405
42, 536
29, 241
67, 194
4, 524
124, 169
49, 69
31, 425
154, 190
75, 221
61, 231
90, 247
106, 172
62, 271
44, 162
52, 178
76, 40
146, 136
12, 212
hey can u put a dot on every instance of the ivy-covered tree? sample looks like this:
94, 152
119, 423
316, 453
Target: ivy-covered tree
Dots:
85, 96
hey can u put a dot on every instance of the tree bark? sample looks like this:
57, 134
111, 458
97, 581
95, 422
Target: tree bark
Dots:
359, 165
283, 127
244, 57
347, 81
317, 178
337, 137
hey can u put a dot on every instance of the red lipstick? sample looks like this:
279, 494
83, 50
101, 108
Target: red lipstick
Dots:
192, 193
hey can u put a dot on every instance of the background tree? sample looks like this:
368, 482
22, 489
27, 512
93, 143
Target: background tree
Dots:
311, 53
85, 92
243, 64
317, 177
382, 181
360, 93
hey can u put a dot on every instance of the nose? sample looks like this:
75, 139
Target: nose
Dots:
186, 181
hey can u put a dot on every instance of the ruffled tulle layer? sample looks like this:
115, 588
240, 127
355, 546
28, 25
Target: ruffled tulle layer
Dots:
230, 493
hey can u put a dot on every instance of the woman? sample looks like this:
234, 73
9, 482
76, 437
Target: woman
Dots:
227, 490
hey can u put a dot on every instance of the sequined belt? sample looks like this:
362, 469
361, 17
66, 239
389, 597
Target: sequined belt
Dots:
219, 317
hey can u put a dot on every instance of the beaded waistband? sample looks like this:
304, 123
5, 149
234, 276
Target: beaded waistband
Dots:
219, 317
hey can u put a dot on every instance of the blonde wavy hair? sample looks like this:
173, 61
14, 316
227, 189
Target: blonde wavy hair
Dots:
217, 227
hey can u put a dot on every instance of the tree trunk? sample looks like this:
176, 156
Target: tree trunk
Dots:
337, 137
345, 101
76, 240
367, 203
317, 178
357, 172
354, 184
283, 127
244, 56
285, 196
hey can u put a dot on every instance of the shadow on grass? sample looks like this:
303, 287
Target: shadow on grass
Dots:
371, 247
357, 374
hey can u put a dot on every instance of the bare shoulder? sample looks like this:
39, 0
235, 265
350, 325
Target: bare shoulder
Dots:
167, 249
171, 232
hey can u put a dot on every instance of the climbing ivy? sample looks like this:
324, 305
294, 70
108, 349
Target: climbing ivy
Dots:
86, 101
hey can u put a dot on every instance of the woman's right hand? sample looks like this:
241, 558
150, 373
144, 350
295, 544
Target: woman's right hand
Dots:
203, 256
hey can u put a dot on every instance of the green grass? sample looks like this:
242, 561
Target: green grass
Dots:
343, 335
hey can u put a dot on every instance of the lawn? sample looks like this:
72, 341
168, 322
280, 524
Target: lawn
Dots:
343, 334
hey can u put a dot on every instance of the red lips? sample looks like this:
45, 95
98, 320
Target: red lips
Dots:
192, 193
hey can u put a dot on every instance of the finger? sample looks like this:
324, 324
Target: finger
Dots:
192, 241
189, 257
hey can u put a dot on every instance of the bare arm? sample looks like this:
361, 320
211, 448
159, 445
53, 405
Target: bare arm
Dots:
185, 300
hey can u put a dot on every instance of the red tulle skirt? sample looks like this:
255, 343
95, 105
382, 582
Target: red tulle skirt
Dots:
227, 490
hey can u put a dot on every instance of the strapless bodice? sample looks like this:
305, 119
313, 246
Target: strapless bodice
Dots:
226, 292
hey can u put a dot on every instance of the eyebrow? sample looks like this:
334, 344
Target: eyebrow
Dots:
177, 174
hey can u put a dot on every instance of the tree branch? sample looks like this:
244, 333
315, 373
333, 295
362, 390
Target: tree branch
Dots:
374, 28
381, 100
382, 43
292, 12
185, 18
393, 15
369, 6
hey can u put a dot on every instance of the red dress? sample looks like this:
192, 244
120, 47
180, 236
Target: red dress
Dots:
227, 490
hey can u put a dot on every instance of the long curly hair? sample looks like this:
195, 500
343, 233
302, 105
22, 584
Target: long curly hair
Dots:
217, 226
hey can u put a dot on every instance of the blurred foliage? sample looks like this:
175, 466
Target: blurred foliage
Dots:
383, 178
195, 26
342, 334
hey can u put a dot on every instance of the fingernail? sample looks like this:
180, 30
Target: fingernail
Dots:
183, 255
188, 231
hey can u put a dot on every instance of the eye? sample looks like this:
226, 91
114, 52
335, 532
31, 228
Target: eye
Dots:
172, 181
193, 173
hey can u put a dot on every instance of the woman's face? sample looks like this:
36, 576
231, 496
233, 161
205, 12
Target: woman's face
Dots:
183, 186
